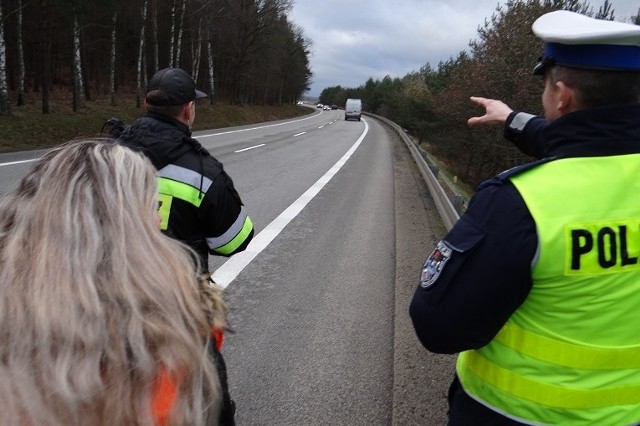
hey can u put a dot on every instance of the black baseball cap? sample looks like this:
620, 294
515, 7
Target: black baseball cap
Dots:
172, 87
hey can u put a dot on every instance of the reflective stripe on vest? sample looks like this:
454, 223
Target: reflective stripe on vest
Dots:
233, 238
186, 176
182, 183
570, 354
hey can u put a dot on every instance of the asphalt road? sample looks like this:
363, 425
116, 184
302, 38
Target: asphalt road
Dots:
319, 301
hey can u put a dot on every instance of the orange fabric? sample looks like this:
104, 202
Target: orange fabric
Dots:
165, 392
165, 388
218, 334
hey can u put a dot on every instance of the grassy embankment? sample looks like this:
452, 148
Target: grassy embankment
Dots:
27, 128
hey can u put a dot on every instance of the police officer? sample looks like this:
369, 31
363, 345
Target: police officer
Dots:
538, 284
199, 204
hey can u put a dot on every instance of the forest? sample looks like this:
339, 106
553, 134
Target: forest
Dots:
433, 104
239, 51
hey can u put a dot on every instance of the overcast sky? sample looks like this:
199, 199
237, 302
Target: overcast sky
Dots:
353, 40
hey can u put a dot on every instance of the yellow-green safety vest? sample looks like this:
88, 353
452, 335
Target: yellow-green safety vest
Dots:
570, 354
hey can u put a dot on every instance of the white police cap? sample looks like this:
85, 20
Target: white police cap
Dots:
578, 41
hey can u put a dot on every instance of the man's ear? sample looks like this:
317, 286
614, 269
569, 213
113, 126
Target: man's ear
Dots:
566, 98
186, 112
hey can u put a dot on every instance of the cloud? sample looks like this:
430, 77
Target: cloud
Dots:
353, 40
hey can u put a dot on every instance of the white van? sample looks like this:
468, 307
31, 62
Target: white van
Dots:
353, 109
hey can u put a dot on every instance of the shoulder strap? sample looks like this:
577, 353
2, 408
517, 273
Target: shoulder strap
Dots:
504, 176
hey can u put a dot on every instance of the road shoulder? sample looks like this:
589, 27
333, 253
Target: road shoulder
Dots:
421, 379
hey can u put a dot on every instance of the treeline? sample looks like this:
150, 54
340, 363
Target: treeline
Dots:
241, 51
433, 103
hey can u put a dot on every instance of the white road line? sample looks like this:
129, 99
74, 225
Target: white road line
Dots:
298, 134
320, 127
196, 137
254, 128
226, 273
18, 162
251, 147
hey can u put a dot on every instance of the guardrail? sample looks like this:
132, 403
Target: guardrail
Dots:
449, 207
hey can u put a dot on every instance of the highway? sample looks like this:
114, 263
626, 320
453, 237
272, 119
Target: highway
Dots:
319, 301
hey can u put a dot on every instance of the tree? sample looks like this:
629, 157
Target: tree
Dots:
5, 108
196, 52
211, 75
78, 84
180, 31
140, 78
253, 53
45, 46
605, 11
434, 102
154, 30
112, 67
21, 69
172, 59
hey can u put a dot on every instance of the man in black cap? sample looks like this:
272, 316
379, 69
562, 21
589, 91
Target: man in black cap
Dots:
198, 203
538, 284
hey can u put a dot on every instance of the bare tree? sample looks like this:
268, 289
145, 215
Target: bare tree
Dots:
21, 72
196, 52
45, 43
141, 55
5, 108
210, 62
91, 47
78, 84
172, 39
112, 73
180, 31
154, 28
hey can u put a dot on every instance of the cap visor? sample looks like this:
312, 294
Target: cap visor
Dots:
200, 94
539, 68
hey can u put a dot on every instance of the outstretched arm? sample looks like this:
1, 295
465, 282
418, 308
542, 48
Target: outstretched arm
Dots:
524, 130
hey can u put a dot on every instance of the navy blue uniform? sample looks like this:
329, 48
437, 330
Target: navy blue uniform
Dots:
472, 284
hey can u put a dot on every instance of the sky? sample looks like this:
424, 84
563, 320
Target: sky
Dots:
353, 40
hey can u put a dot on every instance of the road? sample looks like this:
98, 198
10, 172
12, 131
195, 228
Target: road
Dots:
319, 300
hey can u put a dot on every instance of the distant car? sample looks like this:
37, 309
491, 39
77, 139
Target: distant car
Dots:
334, 106
319, 106
353, 109
326, 108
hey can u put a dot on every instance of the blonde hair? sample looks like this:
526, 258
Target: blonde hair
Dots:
94, 300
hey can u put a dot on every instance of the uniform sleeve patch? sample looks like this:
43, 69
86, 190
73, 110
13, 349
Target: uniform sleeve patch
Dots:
435, 264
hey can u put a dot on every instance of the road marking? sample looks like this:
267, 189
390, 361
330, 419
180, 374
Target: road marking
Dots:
254, 128
298, 134
18, 162
251, 147
226, 273
320, 127
195, 137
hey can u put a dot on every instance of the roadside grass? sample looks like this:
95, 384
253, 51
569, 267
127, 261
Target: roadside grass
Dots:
27, 128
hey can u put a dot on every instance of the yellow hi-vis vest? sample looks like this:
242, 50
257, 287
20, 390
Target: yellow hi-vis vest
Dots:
570, 354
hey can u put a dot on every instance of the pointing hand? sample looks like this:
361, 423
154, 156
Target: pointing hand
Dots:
496, 112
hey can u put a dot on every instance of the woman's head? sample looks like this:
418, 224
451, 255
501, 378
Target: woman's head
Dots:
94, 300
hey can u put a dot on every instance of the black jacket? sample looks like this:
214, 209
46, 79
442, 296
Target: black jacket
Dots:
204, 209
470, 297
